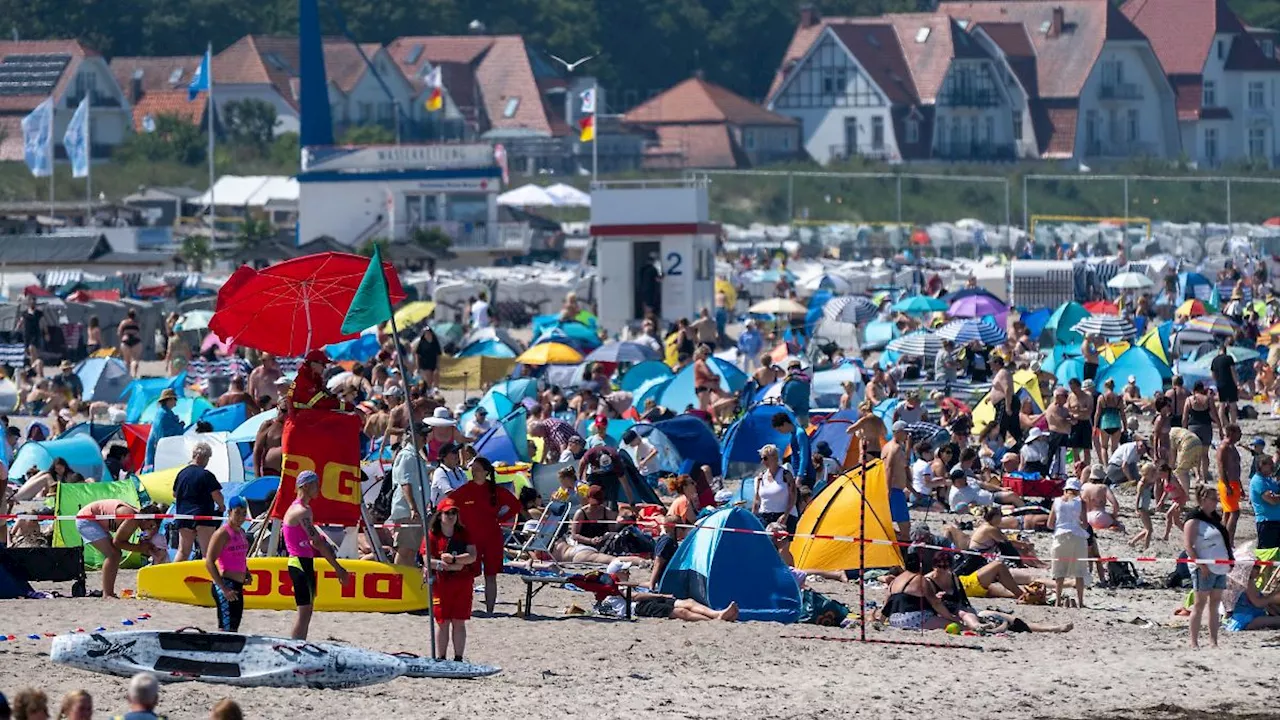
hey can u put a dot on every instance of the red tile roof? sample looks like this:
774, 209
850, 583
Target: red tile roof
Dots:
1060, 135
697, 101
1065, 60
928, 61
502, 72
876, 47
1181, 31
169, 102
801, 41
1188, 93
155, 72
276, 61
695, 146
78, 52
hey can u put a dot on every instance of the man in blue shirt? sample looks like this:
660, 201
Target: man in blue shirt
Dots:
166, 424
1264, 494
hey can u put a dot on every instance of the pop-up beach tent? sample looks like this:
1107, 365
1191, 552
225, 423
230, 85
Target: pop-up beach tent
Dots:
743, 440
838, 511
715, 568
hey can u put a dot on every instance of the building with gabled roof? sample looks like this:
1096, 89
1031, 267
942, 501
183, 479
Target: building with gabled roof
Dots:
702, 125
1223, 73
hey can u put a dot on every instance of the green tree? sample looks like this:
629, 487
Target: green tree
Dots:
250, 123
196, 251
254, 232
366, 249
432, 238
286, 150
368, 135
173, 140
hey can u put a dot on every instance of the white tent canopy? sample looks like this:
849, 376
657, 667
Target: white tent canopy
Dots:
568, 196
527, 196
250, 190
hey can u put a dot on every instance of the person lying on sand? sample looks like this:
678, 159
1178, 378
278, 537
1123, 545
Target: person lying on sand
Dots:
610, 600
998, 622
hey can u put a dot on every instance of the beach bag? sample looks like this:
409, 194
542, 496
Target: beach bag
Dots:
1180, 576
818, 609
630, 540
1122, 574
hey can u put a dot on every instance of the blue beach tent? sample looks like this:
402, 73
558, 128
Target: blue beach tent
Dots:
104, 379
716, 568
743, 440
680, 394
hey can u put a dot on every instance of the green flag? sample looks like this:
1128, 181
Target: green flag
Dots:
371, 304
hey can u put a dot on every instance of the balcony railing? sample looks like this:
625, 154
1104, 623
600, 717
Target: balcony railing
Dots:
975, 151
1119, 149
848, 152
971, 98
1120, 91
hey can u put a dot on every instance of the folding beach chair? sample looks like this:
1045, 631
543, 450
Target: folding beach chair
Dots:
553, 521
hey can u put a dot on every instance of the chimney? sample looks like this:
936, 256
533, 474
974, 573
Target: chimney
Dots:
135, 87
809, 15
1058, 22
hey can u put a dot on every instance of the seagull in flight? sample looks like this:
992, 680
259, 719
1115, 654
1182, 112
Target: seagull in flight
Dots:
571, 66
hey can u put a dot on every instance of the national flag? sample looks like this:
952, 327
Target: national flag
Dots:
37, 139
371, 305
203, 78
76, 140
500, 157
588, 101
587, 128
436, 82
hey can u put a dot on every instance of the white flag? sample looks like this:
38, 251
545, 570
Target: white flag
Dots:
76, 140
588, 101
37, 139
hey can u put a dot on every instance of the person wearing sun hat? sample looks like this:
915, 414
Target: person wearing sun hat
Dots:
67, 382
441, 429
165, 424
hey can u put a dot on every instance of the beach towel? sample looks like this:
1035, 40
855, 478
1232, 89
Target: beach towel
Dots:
818, 609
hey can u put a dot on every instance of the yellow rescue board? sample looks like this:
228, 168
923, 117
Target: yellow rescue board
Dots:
371, 587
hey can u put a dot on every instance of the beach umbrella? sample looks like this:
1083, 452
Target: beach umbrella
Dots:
920, 304
621, 352
1108, 326
1213, 324
194, 320
411, 314
921, 343
1129, 281
1102, 307
922, 431
527, 196
1191, 309
778, 306
294, 306
967, 330
1057, 330
976, 306
1206, 352
825, 281
850, 309
550, 353
967, 292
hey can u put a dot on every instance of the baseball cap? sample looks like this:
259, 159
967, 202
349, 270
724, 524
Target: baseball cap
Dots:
1258, 442
899, 426
617, 566
1072, 484
317, 356
237, 502
306, 477
447, 503
956, 472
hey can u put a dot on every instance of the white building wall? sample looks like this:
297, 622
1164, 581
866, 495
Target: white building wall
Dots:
1141, 86
828, 115
1231, 90
108, 125
971, 123
1019, 99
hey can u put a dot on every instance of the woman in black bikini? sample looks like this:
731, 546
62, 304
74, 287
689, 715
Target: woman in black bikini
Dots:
928, 601
130, 333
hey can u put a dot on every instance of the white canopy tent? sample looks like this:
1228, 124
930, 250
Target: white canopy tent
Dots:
568, 196
527, 196
250, 190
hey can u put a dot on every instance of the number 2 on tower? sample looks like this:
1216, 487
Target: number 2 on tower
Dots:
674, 260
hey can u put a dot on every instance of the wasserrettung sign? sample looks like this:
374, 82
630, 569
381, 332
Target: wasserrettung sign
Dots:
398, 157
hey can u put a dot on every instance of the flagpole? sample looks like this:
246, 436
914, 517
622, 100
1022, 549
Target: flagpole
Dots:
595, 129
208, 54
52, 168
88, 156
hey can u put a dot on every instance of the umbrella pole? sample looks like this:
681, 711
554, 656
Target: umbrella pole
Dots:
423, 501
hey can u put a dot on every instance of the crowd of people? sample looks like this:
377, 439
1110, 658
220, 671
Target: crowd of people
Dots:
142, 702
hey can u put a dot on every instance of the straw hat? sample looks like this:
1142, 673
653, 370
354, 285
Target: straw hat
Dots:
168, 394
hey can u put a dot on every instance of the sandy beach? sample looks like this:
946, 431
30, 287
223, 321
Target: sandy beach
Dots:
1127, 658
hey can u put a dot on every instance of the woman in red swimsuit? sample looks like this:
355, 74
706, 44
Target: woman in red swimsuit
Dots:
483, 508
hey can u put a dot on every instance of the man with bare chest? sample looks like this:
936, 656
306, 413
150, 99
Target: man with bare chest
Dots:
1080, 405
1058, 417
268, 455
898, 476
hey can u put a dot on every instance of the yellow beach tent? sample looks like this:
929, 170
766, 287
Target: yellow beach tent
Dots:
838, 511
985, 414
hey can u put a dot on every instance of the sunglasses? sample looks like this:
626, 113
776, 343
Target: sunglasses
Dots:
449, 512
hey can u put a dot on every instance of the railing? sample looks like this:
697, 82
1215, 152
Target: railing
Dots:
845, 152
971, 98
1120, 91
1119, 149
464, 235
975, 151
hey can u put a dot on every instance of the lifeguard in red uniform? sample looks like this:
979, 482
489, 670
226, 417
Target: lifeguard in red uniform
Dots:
308, 389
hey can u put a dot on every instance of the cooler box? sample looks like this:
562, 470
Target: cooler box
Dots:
1033, 486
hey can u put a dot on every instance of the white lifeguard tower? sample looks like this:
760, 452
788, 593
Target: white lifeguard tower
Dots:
663, 224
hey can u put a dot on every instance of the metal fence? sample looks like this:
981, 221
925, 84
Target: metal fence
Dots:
1258, 195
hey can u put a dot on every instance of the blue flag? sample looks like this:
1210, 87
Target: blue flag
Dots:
201, 80
76, 140
37, 139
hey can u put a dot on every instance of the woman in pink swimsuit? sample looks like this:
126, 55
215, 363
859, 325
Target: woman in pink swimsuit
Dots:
228, 564
303, 541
